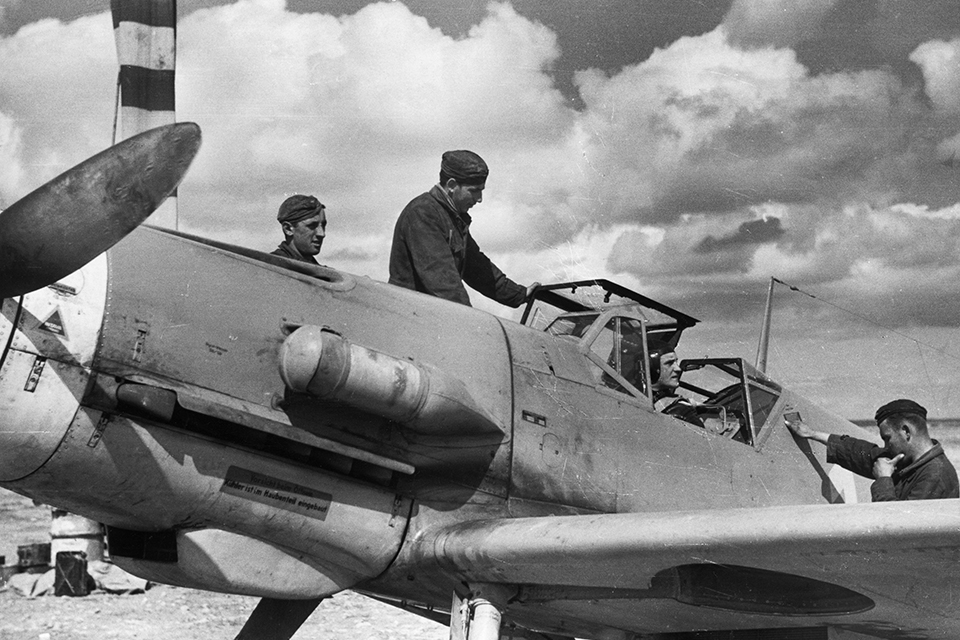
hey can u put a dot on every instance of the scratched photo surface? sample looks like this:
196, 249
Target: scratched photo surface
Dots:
690, 150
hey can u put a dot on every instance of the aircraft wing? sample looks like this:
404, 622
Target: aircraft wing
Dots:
880, 569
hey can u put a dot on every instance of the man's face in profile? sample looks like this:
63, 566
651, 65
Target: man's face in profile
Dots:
307, 235
464, 196
893, 436
669, 371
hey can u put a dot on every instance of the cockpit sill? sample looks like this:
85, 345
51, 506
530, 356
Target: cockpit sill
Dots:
325, 276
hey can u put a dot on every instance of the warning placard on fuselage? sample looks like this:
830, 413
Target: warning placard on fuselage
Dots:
276, 493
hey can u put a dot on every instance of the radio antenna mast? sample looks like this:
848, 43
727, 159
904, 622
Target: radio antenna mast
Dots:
762, 348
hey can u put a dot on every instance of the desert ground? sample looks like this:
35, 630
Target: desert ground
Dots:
165, 612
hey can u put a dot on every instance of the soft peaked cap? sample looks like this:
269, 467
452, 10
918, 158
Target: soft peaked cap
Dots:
899, 407
297, 208
464, 166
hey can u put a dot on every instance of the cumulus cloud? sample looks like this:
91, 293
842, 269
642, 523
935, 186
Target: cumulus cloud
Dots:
948, 152
774, 23
700, 247
57, 91
888, 262
940, 63
703, 126
5, 9
11, 171
752, 232
309, 102
699, 172
705, 140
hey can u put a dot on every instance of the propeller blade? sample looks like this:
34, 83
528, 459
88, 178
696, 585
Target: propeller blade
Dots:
81, 213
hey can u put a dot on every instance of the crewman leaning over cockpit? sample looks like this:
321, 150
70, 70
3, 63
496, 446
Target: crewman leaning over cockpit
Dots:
433, 251
911, 465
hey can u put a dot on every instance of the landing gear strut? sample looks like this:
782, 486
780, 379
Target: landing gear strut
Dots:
476, 615
277, 619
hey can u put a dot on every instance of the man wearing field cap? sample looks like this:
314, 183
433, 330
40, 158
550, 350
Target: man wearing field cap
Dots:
304, 223
432, 249
910, 465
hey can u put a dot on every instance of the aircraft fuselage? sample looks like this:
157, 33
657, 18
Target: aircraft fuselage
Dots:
152, 378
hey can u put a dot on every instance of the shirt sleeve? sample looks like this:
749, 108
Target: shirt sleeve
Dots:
883, 490
484, 276
427, 242
852, 454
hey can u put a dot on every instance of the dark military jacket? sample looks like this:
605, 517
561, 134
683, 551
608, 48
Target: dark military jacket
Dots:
669, 402
287, 252
433, 253
930, 476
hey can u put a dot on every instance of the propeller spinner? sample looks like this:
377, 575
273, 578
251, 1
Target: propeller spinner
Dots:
59, 227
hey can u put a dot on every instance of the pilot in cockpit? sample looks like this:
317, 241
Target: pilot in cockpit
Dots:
717, 419
665, 372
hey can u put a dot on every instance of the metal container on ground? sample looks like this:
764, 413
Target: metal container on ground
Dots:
70, 532
34, 558
70, 576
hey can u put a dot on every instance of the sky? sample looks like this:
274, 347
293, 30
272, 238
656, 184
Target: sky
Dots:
690, 150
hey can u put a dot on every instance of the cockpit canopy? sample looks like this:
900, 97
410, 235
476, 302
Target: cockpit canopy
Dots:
617, 330
620, 326
571, 299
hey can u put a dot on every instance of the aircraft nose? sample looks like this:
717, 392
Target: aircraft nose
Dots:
51, 337
34, 420
52, 244
78, 215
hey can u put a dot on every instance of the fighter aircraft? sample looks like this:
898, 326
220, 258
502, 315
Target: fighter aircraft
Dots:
247, 424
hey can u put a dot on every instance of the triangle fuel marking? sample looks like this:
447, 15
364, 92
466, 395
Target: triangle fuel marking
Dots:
54, 324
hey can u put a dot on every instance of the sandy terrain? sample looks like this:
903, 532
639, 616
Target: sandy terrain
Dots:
166, 612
